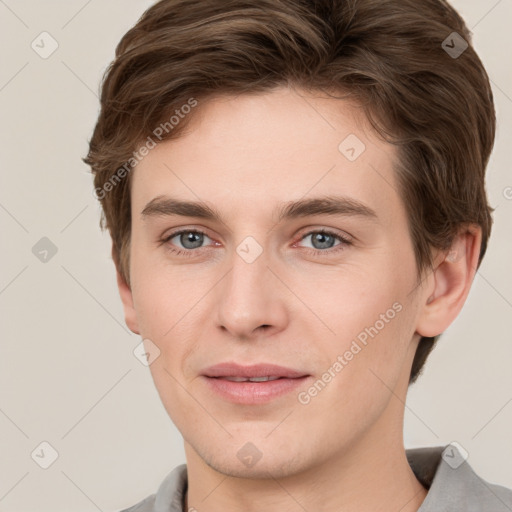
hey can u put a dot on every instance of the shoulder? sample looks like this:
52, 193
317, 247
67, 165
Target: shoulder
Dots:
472, 493
146, 505
453, 484
169, 496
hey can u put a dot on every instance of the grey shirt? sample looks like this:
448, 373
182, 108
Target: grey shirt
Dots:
452, 485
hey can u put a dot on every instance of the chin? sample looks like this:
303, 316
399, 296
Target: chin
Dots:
249, 461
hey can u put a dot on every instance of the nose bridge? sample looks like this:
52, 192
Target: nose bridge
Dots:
250, 296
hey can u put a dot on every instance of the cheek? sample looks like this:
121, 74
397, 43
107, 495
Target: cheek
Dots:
179, 403
152, 304
162, 294
369, 322
361, 371
350, 299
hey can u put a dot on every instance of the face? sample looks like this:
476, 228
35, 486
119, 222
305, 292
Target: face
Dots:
324, 289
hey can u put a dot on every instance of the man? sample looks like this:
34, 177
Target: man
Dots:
295, 194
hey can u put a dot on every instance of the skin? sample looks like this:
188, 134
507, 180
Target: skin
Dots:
244, 156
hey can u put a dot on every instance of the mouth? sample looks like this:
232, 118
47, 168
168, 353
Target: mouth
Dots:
249, 379
254, 384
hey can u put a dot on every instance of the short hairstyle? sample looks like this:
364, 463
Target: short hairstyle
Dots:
391, 57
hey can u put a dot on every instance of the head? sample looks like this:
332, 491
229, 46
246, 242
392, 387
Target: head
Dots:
247, 107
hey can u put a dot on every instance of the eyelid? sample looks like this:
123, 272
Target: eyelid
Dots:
328, 231
170, 232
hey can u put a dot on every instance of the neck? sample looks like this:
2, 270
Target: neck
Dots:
373, 474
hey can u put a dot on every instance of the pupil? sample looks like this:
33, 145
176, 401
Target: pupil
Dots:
323, 244
193, 238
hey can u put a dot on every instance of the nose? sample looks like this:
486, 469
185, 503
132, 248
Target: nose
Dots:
251, 299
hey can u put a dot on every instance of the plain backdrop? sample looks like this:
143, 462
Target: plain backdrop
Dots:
68, 375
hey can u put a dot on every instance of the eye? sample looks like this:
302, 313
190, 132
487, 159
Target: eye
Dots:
184, 242
323, 241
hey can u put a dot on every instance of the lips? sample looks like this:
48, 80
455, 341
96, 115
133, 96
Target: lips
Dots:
256, 373
252, 385
250, 379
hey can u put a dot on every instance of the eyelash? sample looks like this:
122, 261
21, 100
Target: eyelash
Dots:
314, 252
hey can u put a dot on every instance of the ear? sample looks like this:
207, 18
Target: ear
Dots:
449, 284
130, 315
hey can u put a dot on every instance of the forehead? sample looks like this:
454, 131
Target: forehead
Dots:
253, 152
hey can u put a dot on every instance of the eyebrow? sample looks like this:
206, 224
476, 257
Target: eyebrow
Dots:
328, 205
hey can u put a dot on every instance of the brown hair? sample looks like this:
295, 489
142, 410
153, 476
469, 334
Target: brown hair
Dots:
418, 84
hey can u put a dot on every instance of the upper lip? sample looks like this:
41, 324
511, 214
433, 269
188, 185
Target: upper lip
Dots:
230, 369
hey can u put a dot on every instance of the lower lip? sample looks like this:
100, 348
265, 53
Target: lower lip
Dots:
253, 392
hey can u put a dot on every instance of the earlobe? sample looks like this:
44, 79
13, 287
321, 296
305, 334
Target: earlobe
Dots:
449, 283
130, 314
125, 293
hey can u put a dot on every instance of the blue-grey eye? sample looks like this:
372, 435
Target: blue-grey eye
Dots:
322, 240
190, 239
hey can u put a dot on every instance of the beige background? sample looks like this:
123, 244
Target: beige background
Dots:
67, 372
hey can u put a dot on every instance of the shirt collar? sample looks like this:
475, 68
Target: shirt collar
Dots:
451, 482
